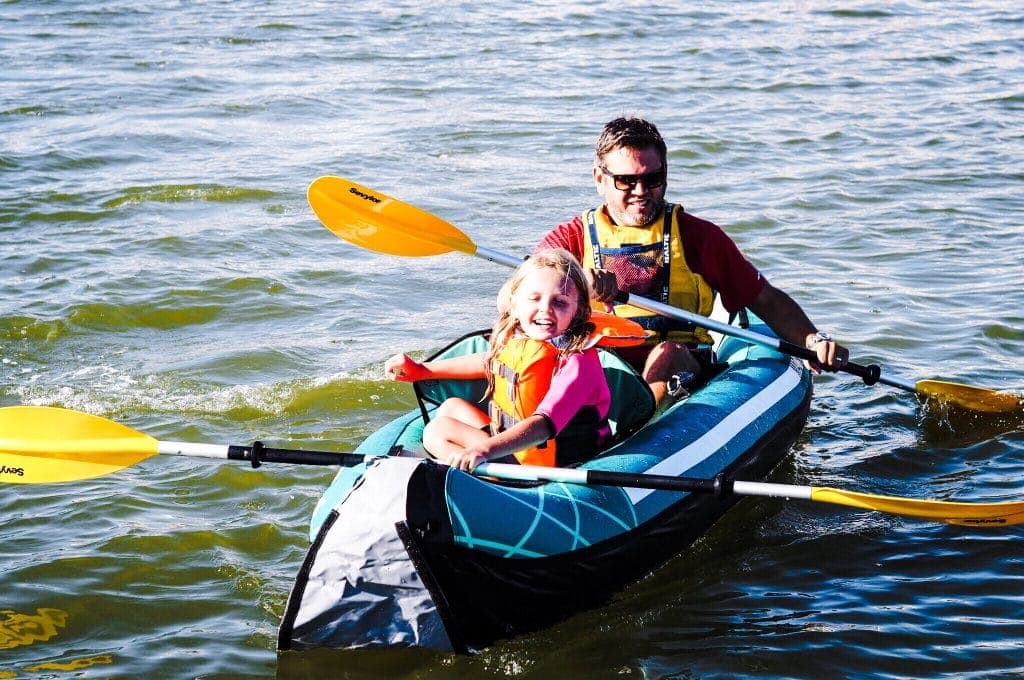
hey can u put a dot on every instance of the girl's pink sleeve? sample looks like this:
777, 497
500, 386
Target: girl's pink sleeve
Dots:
579, 382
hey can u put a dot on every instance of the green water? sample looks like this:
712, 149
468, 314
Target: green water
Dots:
160, 267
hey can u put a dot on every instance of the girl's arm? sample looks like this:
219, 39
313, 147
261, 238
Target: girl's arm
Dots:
405, 369
524, 434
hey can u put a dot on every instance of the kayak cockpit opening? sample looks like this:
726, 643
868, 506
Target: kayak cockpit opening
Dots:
632, 403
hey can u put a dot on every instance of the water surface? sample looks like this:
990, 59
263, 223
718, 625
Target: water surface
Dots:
160, 267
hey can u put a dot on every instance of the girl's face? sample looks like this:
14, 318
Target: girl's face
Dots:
545, 303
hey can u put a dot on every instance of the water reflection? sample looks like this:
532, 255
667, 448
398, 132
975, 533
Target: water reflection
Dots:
24, 629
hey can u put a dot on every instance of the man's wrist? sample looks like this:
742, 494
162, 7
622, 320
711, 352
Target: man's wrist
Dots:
812, 340
678, 382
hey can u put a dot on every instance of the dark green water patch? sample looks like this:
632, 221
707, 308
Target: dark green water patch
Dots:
28, 328
184, 193
66, 216
947, 425
108, 317
24, 111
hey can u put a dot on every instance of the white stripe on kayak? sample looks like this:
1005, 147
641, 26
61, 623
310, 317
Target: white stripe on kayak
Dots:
722, 433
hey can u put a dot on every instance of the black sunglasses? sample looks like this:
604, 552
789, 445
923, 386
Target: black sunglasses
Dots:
651, 180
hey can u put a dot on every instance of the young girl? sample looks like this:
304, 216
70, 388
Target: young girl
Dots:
549, 394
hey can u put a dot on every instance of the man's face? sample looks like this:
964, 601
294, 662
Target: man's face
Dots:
635, 206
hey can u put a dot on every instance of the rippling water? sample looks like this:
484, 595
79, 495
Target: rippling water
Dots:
160, 267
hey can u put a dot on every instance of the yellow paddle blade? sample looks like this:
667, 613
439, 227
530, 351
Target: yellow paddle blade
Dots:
970, 397
40, 444
965, 514
372, 220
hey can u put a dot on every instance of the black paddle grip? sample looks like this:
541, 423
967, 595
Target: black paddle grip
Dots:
661, 482
869, 374
257, 454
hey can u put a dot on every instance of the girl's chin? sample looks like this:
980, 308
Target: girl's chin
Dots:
537, 334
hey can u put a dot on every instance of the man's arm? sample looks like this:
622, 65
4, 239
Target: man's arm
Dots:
568, 235
790, 322
783, 315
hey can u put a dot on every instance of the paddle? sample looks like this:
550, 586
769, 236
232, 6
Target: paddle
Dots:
949, 512
377, 222
40, 444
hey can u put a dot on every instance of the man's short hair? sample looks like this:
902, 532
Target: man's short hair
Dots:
632, 133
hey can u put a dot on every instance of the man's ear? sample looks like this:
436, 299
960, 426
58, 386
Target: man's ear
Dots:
597, 180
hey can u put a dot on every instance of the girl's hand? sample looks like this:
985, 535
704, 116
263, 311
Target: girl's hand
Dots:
466, 459
404, 369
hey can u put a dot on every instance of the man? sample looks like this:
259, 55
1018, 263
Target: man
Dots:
638, 243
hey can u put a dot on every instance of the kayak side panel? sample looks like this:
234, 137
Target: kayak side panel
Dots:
700, 437
489, 597
359, 586
408, 430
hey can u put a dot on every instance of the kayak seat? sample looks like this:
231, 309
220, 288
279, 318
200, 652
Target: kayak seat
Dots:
632, 402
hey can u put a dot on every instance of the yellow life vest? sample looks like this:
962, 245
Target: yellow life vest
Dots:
682, 288
522, 373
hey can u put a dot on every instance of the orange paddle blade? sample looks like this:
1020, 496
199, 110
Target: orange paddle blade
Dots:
377, 222
617, 331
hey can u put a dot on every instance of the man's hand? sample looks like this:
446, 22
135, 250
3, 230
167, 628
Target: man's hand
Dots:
831, 355
603, 283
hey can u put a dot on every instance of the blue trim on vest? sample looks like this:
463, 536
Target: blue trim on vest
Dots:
660, 324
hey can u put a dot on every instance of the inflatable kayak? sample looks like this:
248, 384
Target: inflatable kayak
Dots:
407, 552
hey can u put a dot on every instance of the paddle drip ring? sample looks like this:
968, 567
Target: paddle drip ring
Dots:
254, 454
721, 486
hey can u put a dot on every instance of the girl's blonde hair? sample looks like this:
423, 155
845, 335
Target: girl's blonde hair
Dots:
562, 261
